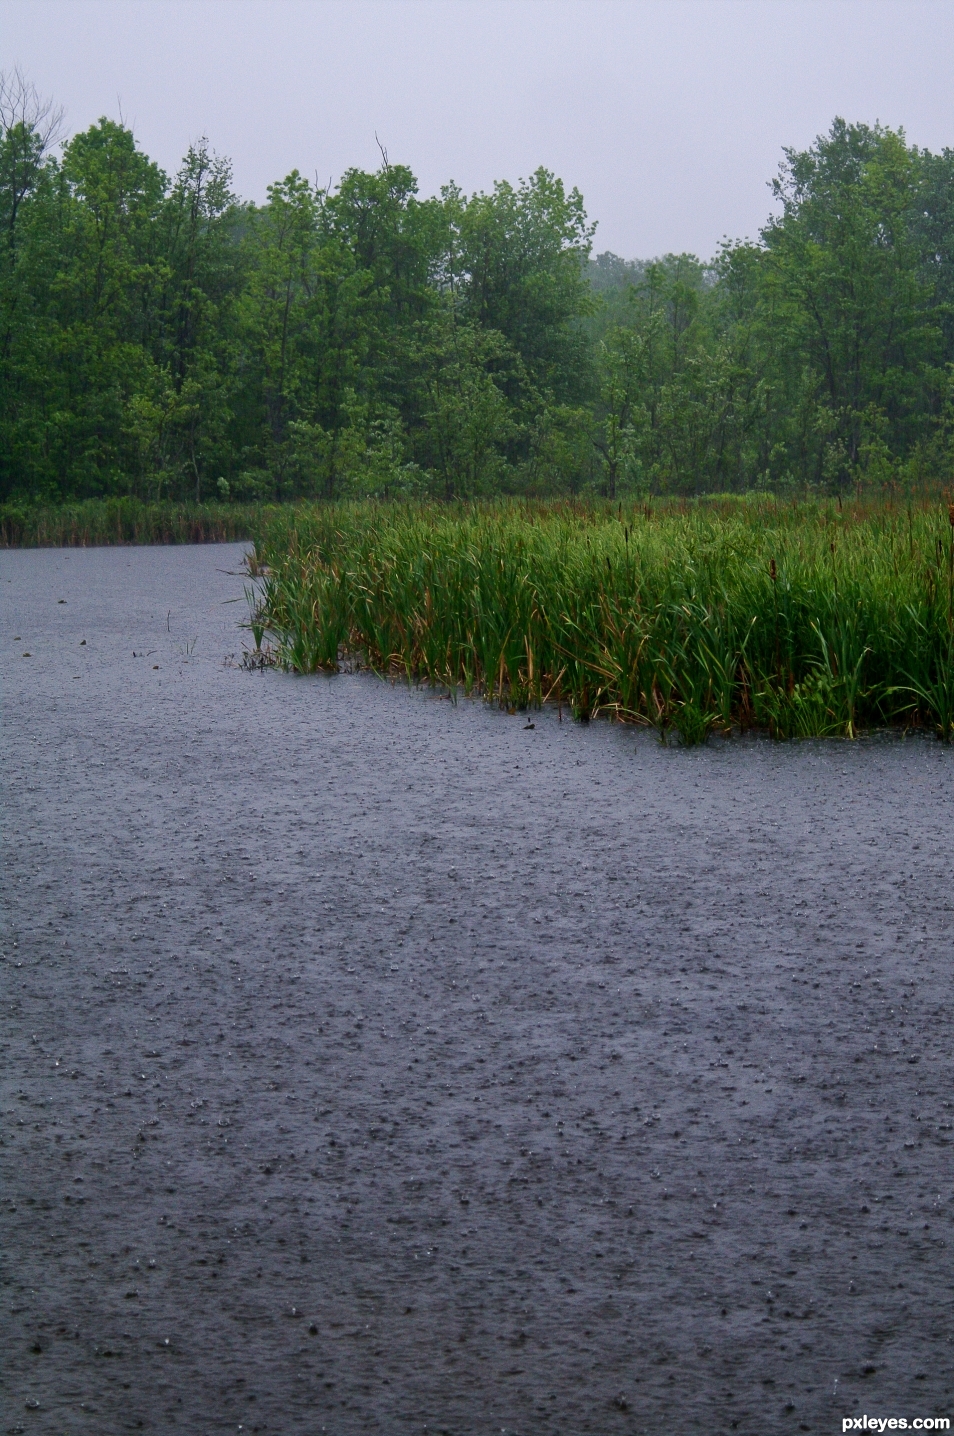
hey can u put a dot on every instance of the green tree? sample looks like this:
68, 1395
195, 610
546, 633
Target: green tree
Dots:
846, 303
468, 419
620, 366
519, 266
28, 179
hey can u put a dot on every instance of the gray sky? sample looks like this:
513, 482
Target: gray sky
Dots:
670, 115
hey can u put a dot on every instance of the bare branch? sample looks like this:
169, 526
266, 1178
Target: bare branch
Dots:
21, 104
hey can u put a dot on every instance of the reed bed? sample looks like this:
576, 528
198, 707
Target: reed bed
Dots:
95, 522
803, 619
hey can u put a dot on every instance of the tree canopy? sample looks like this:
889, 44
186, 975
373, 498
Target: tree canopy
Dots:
160, 337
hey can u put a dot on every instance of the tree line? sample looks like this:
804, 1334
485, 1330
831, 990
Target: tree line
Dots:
162, 338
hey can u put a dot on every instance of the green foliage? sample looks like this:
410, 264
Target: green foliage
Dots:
95, 522
807, 620
520, 271
845, 285
158, 338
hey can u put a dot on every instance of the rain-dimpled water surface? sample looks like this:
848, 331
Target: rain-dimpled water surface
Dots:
376, 1063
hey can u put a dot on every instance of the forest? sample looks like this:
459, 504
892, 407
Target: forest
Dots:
160, 338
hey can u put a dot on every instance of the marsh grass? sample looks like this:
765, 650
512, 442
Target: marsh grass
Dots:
807, 619
126, 521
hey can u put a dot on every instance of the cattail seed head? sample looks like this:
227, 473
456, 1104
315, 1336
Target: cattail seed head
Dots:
773, 573
950, 515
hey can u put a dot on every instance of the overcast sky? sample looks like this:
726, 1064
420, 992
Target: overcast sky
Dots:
669, 115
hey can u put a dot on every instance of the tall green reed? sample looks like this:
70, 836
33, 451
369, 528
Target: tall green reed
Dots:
803, 619
125, 521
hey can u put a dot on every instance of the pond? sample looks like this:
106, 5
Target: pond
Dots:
379, 1063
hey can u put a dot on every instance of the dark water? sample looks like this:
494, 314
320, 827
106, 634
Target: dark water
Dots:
376, 1064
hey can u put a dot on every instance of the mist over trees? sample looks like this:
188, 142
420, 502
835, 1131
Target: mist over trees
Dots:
161, 337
